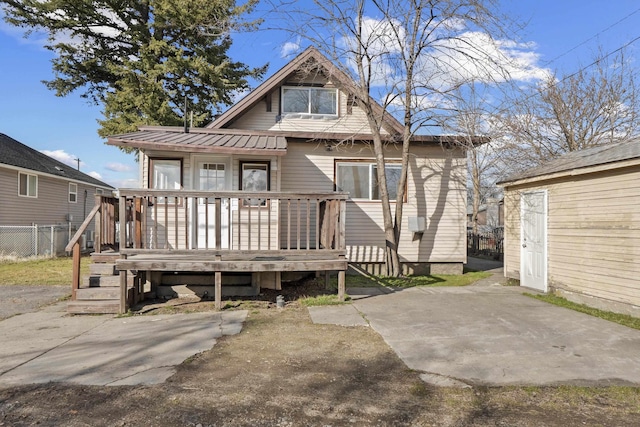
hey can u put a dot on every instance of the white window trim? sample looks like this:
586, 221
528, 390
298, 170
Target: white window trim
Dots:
371, 165
75, 193
308, 113
28, 175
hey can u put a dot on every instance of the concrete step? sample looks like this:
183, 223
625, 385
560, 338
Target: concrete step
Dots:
98, 294
93, 307
103, 269
204, 291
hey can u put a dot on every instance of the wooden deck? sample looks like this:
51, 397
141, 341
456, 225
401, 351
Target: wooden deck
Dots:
162, 231
219, 263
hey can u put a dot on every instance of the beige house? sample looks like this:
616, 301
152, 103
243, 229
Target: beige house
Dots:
572, 227
288, 172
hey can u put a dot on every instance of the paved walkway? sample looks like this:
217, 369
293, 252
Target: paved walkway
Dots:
491, 334
50, 346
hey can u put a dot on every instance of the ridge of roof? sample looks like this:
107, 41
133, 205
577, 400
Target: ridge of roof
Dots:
17, 154
310, 53
593, 156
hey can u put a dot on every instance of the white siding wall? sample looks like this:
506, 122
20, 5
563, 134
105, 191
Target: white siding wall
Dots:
593, 234
436, 190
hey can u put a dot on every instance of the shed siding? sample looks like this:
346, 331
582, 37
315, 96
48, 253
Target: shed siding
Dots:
593, 234
436, 190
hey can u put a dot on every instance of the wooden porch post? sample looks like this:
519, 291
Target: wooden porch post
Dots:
76, 270
218, 276
123, 289
341, 285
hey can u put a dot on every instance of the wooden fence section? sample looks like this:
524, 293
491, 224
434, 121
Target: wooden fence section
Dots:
164, 220
486, 244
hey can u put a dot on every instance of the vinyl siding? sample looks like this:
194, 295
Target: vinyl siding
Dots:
258, 118
593, 234
436, 190
52, 205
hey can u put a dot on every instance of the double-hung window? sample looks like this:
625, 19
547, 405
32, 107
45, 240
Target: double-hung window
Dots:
73, 192
27, 185
360, 179
310, 100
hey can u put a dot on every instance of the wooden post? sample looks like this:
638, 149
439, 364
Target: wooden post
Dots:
341, 285
218, 276
97, 233
75, 284
123, 222
123, 288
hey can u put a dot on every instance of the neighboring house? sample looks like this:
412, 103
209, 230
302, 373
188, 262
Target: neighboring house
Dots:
573, 226
298, 143
490, 216
39, 190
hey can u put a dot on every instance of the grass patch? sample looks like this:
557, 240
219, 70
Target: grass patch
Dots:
622, 319
39, 271
412, 281
330, 299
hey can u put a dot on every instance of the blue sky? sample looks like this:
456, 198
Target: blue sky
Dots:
565, 32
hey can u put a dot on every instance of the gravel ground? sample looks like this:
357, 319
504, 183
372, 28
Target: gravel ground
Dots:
18, 299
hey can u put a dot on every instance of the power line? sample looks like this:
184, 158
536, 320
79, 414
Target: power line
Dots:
593, 37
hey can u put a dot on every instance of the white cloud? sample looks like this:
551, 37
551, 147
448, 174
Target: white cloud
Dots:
118, 167
125, 183
290, 48
63, 156
95, 174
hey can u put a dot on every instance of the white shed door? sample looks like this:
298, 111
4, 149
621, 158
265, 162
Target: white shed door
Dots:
533, 254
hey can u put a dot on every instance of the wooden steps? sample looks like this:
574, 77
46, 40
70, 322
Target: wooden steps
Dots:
99, 292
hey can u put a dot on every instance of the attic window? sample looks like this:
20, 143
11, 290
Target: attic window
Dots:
310, 100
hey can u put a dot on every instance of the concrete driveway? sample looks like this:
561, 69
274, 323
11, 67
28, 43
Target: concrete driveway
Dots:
51, 346
493, 335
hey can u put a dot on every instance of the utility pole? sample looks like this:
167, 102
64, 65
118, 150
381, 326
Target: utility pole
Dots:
78, 161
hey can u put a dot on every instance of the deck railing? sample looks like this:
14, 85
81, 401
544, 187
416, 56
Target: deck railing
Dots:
104, 211
236, 221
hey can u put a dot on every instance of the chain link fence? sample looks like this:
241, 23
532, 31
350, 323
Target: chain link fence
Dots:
35, 240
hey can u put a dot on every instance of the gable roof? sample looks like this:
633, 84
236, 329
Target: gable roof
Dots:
576, 160
16, 154
202, 140
309, 55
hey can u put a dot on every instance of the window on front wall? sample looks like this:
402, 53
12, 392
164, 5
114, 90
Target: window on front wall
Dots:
165, 174
73, 193
309, 100
254, 176
27, 185
360, 179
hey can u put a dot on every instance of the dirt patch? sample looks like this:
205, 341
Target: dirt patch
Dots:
282, 370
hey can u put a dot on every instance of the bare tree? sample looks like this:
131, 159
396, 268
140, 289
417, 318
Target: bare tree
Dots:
471, 121
409, 55
599, 104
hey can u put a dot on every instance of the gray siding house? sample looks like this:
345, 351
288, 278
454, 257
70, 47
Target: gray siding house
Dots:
39, 190
572, 227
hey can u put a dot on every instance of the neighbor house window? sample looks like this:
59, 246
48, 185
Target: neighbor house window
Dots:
360, 179
309, 100
254, 176
27, 185
73, 193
